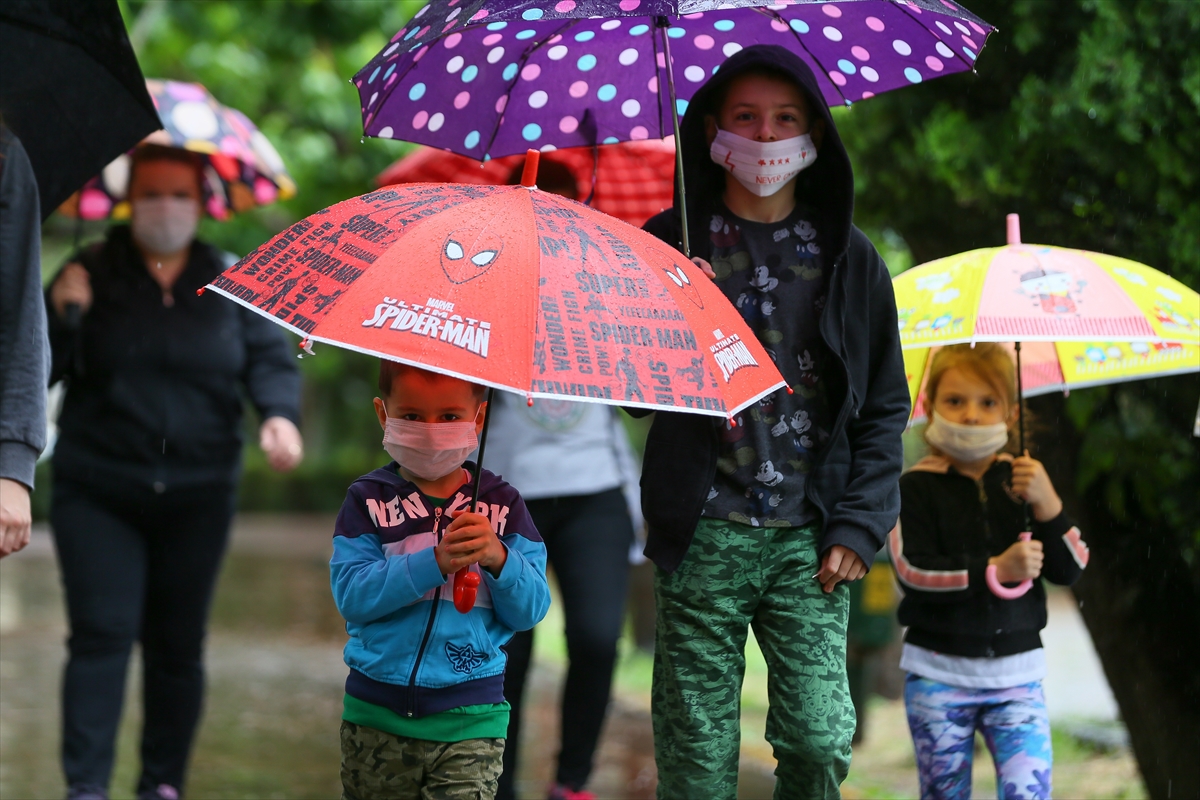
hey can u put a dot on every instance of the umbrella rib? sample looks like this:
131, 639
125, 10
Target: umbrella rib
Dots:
970, 64
523, 59
803, 46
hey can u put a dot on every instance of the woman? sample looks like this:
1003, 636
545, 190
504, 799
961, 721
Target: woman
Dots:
146, 465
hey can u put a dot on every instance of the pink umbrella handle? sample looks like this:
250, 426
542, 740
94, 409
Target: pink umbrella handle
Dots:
999, 589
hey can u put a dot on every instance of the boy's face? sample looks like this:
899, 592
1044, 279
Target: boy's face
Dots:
430, 398
762, 108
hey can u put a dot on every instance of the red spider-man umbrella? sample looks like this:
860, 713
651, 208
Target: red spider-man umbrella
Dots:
513, 288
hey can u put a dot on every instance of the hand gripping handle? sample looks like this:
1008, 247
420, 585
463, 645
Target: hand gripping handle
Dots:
466, 588
999, 589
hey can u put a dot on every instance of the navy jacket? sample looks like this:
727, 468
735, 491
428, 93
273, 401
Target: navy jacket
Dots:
410, 650
854, 483
949, 528
155, 385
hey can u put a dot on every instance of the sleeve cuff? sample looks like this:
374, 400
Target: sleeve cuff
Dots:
510, 573
292, 414
857, 539
424, 571
18, 462
1053, 528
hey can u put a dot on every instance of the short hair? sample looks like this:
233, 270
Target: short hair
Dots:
390, 370
143, 154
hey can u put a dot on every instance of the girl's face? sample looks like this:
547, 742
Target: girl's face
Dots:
966, 399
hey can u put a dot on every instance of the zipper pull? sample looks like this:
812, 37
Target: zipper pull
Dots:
437, 523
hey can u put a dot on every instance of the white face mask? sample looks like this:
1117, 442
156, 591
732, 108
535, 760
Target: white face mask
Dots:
965, 443
429, 450
165, 226
762, 167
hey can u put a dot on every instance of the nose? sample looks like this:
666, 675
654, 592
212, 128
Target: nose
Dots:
765, 132
971, 415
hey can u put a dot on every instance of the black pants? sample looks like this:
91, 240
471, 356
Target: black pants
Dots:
136, 566
587, 543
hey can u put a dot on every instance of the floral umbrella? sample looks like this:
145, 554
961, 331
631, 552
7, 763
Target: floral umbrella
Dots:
242, 168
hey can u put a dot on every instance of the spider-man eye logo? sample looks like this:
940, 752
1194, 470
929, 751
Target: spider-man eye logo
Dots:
676, 275
467, 254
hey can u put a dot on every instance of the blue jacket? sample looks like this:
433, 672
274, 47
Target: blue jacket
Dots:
410, 650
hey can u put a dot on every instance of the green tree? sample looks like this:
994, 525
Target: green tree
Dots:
1083, 118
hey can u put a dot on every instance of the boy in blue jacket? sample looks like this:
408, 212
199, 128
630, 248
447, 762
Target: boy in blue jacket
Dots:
424, 712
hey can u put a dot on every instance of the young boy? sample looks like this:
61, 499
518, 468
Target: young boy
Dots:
761, 523
424, 713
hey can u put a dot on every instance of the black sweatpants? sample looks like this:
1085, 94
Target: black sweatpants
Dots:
136, 566
587, 544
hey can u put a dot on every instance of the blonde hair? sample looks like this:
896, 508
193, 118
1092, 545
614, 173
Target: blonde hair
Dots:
988, 361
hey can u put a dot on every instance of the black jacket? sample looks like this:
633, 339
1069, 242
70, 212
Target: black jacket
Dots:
155, 392
854, 483
949, 527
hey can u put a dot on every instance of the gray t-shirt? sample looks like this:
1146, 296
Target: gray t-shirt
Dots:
775, 274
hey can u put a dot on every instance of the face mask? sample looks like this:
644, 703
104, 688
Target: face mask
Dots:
965, 443
429, 450
165, 226
762, 167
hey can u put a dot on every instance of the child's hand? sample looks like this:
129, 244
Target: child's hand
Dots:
1031, 483
704, 266
839, 564
470, 540
1022, 561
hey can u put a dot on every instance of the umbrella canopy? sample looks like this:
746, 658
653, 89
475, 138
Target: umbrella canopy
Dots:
487, 79
631, 181
1084, 319
72, 90
510, 287
242, 168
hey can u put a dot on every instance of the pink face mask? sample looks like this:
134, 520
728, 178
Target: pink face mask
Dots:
429, 450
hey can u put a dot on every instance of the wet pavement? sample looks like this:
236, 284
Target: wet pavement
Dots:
276, 676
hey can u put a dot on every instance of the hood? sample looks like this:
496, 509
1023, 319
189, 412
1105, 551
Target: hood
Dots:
827, 186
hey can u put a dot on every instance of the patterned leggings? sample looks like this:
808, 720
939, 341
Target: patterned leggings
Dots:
943, 720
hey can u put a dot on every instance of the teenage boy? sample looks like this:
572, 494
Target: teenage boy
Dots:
424, 713
761, 524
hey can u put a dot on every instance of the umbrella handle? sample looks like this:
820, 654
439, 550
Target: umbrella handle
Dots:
466, 589
999, 589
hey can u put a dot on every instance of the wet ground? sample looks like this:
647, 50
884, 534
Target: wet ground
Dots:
276, 677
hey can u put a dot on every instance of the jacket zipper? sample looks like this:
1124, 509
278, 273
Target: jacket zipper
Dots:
848, 405
412, 679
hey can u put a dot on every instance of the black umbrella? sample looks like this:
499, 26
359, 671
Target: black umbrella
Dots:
71, 89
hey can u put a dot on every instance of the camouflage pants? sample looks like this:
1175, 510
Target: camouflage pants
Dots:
381, 766
736, 576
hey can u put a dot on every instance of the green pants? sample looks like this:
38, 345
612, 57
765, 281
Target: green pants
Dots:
736, 576
382, 766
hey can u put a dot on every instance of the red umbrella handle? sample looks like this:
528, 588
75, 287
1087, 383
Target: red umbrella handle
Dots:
466, 588
998, 589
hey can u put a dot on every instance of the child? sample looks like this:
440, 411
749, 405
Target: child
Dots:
975, 660
424, 713
760, 524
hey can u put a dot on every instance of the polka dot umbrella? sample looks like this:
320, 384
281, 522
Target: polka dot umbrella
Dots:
486, 79
242, 169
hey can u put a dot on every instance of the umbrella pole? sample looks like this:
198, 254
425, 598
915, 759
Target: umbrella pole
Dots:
664, 24
1020, 422
487, 419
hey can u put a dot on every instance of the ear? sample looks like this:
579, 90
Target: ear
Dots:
710, 129
381, 413
480, 418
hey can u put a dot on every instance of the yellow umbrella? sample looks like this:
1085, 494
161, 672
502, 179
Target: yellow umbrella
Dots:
1082, 318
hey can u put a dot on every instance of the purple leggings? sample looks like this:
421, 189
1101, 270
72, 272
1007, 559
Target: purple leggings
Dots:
943, 720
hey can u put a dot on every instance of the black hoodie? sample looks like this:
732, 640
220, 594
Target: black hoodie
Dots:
854, 483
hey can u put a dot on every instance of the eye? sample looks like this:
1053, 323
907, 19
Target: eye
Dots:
448, 417
454, 250
483, 257
411, 417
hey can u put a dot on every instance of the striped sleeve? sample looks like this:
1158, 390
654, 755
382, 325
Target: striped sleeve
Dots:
922, 566
1065, 550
